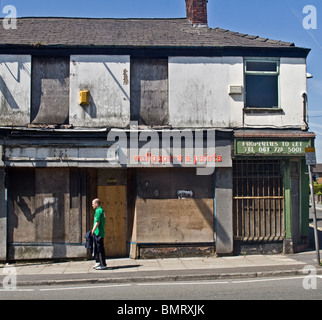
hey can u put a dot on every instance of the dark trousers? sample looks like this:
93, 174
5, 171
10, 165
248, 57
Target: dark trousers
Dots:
100, 252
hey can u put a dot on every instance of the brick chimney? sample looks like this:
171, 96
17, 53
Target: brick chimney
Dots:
197, 12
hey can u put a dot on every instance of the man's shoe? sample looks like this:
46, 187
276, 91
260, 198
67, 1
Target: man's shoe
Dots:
96, 265
101, 268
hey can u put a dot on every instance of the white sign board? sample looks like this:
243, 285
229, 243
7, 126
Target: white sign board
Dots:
310, 156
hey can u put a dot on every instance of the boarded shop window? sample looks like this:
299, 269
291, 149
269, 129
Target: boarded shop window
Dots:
149, 91
261, 79
163, 218
258, 200
50, 90
46, 205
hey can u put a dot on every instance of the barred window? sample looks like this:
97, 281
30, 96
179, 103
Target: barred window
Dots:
258, 200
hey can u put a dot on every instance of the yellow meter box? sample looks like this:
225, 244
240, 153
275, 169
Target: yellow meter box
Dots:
84, 97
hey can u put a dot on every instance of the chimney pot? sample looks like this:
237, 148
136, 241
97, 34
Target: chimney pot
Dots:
197, 12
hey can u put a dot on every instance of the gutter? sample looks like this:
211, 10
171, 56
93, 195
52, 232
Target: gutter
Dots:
155, 50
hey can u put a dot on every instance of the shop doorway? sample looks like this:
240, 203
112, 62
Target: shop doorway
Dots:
112, 191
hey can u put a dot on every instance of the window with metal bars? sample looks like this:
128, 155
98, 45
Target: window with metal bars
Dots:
258, 201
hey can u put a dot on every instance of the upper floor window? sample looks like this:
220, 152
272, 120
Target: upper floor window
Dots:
261, 83
149, 91
50, 90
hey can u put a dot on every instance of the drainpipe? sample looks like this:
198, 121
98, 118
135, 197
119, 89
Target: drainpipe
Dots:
305, 112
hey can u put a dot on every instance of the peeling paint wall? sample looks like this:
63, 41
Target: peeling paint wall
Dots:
107, 79
198, 91
15, 90
292, 85
181, 92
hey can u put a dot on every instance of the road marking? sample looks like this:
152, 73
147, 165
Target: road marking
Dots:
268, 279
16, 290
182, 283
160, 284
89, 287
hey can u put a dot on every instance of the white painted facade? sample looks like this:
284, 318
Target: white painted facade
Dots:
15, 90
108, 80
198, 92
292, 85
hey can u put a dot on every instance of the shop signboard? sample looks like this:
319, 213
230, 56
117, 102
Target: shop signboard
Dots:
270, 147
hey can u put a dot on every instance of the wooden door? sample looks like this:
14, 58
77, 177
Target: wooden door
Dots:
113, 199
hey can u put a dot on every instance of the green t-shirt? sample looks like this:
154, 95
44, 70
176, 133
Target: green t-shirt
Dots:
100, 217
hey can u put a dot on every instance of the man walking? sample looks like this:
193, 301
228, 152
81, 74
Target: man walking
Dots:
98, 232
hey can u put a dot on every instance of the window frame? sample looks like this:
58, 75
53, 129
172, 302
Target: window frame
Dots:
263, 73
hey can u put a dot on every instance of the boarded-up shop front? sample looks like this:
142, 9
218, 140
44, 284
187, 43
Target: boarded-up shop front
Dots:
180, 211
50, 187
47, 213
175, 212
152, 210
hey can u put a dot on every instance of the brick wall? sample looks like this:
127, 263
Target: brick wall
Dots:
197, 11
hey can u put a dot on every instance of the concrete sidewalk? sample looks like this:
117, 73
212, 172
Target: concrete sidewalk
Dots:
178, 269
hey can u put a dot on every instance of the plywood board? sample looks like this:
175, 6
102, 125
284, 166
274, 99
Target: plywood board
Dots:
174, 220
113, 199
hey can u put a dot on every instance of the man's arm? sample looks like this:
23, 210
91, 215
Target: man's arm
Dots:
95, 227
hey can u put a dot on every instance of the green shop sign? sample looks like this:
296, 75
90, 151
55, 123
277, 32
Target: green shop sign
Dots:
271, 147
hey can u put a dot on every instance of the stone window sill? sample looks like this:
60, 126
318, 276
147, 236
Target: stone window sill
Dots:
263, 110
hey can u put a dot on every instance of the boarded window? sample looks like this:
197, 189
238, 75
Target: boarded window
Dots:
174, 205
258, 200
38, 205
166, 183
50, 90
149, 91
46, 205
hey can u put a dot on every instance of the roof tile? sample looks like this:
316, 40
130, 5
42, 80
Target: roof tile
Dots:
126, 32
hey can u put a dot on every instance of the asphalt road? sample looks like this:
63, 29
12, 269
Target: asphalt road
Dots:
281, 288
319, 224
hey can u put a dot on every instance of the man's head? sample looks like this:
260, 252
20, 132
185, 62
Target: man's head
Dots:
96, 203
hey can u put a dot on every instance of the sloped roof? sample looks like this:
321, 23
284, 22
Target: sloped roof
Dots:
318, 168
75, 32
